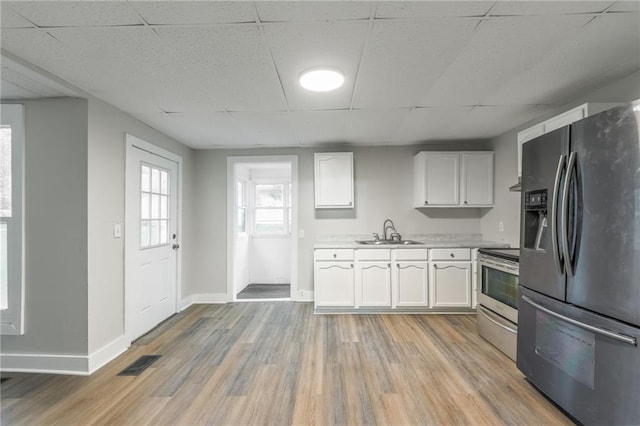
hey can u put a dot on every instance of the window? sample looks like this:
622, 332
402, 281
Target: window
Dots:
154, 206
11, 232
272, 208
242, 206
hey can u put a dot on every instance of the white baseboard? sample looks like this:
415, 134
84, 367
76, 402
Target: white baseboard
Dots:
78, 365
107, 353
204, 298
304, 296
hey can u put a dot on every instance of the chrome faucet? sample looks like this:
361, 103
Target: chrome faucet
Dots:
394, 235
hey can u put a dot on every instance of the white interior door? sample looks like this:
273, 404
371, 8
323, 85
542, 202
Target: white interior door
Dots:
151, 240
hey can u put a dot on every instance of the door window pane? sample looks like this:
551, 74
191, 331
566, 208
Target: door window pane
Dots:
4, 273
154, 206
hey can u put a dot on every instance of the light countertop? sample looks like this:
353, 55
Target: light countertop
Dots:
426, 241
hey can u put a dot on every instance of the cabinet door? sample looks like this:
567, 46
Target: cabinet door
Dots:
410, 284
442, 174
373, 283
451, 284
477, 179
334, 284
334, 180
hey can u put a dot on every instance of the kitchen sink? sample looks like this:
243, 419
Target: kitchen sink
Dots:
387, 242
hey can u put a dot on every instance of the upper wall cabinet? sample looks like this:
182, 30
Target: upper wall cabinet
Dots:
453, 179
334, 180
564, 119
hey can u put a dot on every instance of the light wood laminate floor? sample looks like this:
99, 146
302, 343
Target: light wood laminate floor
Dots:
278, 363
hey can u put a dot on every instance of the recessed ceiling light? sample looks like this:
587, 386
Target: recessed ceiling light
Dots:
321, 79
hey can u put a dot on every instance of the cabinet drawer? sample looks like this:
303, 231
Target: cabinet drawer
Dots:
334, 254
410, 254
451, 254
373, 254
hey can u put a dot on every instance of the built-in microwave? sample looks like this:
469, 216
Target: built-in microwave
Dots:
497, 316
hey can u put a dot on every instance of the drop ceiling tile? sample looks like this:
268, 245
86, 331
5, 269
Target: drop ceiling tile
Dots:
320, 127
604, 49
500, 49
430, 124
430, 9
625, 6
10, 19
77, 13
368, 127
231, 63
195, 12
266, 128
11, 91
279, 11
487, 121
548, 7
297, 47
29, 85
404, 59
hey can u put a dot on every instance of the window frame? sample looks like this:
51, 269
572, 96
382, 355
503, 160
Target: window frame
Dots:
243, 198
12, 318
159, 219
286, 206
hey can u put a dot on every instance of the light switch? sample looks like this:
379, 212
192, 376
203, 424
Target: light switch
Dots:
117, 230
301, 233
501, 227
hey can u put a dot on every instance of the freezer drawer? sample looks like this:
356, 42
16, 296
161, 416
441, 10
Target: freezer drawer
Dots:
588, 364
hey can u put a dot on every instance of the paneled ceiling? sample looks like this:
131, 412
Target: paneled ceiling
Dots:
224, 74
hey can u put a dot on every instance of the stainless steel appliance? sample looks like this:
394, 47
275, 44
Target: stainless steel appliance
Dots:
497, 298
579, 302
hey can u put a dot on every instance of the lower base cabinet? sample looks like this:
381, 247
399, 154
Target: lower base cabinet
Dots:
451, 284
411, 284
373, 284
334, 284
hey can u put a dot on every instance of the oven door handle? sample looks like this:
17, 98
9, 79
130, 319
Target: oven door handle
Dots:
619, 337
488, 316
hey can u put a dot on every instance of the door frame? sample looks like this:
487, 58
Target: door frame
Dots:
232, 219
133, 142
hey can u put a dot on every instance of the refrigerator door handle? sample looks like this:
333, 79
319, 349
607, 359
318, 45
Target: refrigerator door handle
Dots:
568, 264
557, 256
619, 337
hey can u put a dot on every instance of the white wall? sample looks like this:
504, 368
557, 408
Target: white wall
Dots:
507, 204
55, 225
383, 190
106, 189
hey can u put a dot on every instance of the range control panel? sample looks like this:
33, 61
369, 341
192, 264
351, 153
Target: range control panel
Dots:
535, 200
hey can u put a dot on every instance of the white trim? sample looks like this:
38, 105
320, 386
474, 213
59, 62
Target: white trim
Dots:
304, 296
135, 142
107, 353
231, 225
204, 299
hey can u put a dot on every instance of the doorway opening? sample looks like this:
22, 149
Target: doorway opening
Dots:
262, 228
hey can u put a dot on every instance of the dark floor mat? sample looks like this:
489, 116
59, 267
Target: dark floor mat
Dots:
139, 365
265, 291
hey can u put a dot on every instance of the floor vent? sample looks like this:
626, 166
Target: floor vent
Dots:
139, 365
4, 379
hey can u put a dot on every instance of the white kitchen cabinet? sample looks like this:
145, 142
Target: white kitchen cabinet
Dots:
373, 284
333, 278
561, 120
450, 284
333, 174
453, 179
410, 283
476, 183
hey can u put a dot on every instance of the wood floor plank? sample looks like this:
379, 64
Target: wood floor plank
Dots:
276, 363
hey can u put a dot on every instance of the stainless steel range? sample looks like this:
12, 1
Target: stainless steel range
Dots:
498, 272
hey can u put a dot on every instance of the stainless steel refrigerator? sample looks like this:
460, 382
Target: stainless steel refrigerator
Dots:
579, 303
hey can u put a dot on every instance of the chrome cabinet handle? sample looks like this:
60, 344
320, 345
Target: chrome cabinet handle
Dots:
619, 337
175, 246
557, 257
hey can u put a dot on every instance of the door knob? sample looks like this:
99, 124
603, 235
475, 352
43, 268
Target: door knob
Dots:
175, 246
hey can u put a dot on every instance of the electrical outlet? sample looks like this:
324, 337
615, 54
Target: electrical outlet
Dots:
301, 233
501, 227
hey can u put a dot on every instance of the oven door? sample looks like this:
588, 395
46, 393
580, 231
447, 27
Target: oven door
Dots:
498, 289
